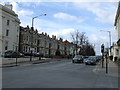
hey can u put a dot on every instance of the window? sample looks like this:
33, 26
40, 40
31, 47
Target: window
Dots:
7, 32
26, 49
29, 49
8, 22
17, 29
27, 38
6, 45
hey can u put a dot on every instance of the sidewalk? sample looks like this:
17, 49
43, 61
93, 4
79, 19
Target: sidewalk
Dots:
112, 68
107, 80
26, 63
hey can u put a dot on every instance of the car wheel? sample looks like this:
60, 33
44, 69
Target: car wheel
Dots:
72, 61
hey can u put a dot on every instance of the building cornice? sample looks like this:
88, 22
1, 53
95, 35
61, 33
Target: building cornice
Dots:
7, 10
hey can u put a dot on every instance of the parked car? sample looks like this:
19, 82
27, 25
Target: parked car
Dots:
91, 60
27, 54
12, 54
77, 59
22, 55
38, 54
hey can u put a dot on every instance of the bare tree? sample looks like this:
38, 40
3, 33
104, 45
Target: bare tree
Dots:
75, 36
82, 43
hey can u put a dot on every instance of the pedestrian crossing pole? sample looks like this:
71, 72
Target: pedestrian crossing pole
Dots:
106, 62
102, 51
102, 60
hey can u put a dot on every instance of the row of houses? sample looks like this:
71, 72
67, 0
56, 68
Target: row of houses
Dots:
30, 39
24, 39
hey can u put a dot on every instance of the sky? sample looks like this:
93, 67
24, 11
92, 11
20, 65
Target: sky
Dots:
65, 17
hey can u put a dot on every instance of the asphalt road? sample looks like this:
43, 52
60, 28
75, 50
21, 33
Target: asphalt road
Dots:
56, 74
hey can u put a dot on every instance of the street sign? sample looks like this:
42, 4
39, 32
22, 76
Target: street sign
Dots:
32, 49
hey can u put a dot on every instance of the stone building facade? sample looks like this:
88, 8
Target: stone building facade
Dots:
9, 31
116, 47
42, 42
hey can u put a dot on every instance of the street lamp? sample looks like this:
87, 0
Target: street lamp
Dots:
109, 37
37, 17
32, 34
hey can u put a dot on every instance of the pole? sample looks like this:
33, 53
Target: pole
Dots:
32, 39
110, 40
106, 66
110, 37
16, 61
102, 60
107, 63
102, 51
32, 35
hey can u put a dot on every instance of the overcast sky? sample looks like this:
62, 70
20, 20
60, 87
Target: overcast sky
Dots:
64, 18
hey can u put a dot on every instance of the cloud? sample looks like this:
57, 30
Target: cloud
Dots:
25, 12
105, 12
97, 38
21, 11
63, 33
65, 16
62, 0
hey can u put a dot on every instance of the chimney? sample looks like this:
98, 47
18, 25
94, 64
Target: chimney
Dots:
42, 33
9, 6
53, 37
32, 28
45, 34
61, 39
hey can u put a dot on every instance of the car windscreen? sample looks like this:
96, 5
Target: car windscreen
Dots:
91, 58
78, 56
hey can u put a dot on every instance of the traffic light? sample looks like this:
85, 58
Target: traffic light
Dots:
102, 48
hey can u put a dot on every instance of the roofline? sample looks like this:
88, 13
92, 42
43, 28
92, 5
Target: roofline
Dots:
117, 14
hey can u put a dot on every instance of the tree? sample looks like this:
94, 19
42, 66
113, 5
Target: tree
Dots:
81, 41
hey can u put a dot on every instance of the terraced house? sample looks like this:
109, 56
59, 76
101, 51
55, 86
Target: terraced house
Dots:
42, 42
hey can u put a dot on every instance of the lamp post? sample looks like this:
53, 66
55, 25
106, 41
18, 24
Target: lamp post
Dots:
32, 34
109, 37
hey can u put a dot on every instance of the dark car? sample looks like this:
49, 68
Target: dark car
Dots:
91, 60
27, 54
38, 54
12, 54
77, 59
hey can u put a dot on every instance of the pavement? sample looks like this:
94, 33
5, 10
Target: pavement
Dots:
26, 63
112, 68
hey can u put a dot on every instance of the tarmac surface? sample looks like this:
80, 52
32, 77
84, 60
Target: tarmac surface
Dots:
60, 73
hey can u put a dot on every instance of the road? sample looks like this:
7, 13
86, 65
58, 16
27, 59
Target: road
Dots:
57, 74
